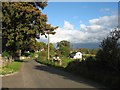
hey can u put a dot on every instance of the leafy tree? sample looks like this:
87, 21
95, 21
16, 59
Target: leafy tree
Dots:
64, 47
84, 50
38, 46
22, 23
94, 51
0, 28
63, 43
52, 48
109, 54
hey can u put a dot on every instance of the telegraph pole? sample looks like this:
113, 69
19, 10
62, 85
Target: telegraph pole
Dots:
48, 46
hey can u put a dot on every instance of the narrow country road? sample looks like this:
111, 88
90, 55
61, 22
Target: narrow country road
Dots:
35, 75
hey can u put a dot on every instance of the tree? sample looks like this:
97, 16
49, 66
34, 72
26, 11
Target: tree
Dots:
22, 23
109, 54
39, 46
64, 47
84, 50
0, 28
94, 51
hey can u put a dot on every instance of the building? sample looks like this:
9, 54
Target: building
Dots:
76, 55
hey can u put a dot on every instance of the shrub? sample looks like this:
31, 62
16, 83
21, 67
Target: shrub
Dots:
42, 55
26, 54
6, 54
92, 69
73, 66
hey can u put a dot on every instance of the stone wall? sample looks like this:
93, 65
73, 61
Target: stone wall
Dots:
5, 61
0, 61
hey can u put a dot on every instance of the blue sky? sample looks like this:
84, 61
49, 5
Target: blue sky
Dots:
81, 22
77, 12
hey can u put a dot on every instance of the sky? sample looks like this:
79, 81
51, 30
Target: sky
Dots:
81, 22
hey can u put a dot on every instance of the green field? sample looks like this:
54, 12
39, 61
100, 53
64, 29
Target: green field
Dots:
88, 55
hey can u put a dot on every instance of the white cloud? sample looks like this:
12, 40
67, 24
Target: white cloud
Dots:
92, 28
68, 25
98, 29
108, 21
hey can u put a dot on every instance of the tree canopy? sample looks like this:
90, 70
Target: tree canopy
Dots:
22, 23
109, 54
64, 47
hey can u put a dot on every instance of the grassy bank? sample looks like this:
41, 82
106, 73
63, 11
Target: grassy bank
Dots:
11, 68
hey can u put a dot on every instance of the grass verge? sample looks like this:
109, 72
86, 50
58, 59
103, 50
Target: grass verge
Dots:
11, 68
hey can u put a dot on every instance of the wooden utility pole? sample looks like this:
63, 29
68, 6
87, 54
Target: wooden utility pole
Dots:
48, 46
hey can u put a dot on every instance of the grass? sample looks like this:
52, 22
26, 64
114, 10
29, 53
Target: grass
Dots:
65, 60
11, 68
88, 55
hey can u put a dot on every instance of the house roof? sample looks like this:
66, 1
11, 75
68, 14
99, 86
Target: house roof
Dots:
76, 52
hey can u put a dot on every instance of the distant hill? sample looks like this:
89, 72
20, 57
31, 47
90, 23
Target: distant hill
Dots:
85, 45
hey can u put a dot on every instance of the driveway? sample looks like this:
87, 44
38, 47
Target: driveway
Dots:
35, 75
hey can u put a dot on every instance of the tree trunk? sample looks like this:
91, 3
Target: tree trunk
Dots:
17, 55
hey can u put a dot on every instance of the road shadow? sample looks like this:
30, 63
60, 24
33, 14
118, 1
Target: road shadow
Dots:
67, 75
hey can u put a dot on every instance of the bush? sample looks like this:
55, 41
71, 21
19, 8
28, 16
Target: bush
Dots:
6, 54
73, 66
42, 55
26, 54
32, 54
92, 69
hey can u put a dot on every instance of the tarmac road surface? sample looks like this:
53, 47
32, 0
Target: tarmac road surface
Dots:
35, 75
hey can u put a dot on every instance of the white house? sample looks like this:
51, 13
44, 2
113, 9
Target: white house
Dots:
76, 55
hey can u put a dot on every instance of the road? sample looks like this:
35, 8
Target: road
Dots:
35, 75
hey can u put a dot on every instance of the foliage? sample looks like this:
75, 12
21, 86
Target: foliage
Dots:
13, 67
52, 48
26, 54
6, 54
84, 50
42, 58
87, 55
64, 47
65, 60
94, 51
41, 46
42, 55
91, 69
22, 23
0, 28
39, 4
88, 51
105, 67
109, 54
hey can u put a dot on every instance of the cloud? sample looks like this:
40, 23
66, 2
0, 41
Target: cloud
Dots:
91, 28
68, 25
108, 21
98, 29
